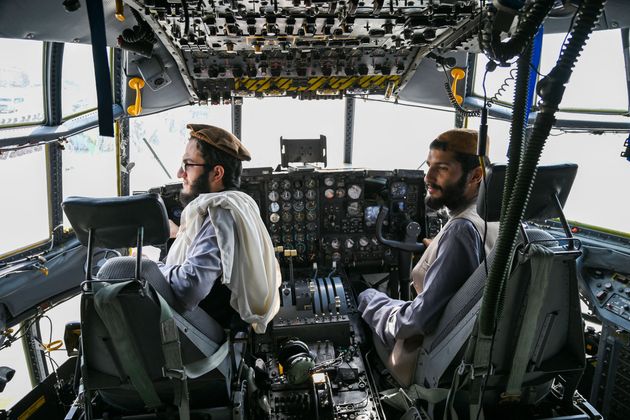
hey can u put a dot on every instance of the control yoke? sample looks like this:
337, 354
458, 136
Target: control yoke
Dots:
409, 245
412, 231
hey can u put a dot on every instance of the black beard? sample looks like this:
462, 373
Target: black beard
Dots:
199, 186
452, 196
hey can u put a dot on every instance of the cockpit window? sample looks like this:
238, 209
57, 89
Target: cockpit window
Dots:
600, 171
157, 142
388, 136
78, 86
598, 81
89, 166
21, 88
24, 211
265, 121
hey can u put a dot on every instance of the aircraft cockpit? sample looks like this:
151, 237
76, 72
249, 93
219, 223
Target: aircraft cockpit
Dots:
339, 103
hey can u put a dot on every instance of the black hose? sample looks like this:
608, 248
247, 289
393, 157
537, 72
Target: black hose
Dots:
550, 89
532, 18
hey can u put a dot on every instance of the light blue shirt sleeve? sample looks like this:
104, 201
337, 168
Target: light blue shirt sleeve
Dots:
458, 255
192, 280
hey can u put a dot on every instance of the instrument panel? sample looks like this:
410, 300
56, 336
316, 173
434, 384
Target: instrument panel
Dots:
330, 216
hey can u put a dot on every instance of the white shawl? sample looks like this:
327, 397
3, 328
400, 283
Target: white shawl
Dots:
250, 268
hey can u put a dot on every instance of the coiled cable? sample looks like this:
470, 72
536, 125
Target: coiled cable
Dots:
520, 178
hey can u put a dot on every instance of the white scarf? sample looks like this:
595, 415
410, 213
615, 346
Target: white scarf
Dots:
250, 268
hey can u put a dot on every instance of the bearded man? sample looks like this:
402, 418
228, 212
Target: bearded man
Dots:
453, 179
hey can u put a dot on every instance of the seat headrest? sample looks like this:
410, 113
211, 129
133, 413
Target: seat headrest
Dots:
116, 220
550, 180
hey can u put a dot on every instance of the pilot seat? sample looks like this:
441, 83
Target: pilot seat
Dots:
537, 349
138, 353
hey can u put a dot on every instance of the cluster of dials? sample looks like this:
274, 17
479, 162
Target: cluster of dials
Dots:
293, 218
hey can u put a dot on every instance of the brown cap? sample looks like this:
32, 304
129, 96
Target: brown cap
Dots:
221, 139
462, 140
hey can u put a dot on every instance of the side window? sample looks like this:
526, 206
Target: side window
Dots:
24, 211
21, 87
78, 85
52, 326
158, 141
14, 357
89, 166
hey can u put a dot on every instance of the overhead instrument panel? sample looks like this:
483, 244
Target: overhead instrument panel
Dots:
304, 48
330, 216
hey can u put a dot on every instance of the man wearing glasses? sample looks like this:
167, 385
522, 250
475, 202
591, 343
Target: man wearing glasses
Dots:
222, 259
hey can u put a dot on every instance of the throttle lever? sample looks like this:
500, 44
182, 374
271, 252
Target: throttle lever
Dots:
412, 232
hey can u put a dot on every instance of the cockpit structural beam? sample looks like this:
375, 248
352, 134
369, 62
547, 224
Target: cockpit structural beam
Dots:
348, 131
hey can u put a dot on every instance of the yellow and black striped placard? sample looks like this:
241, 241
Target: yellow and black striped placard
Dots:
313, 84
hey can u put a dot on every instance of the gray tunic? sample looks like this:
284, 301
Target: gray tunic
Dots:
459, 253
192, 281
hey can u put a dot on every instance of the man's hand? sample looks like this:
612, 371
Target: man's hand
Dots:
173, 228
148, 251
427, 242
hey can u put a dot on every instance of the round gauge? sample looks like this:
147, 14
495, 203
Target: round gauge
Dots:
274, 217
349, 243
286, 217
375, 242
336, 256
329, 194
286, 195
300, 248
311, 226
299, 217
298, 205
275, 239
273, 185
287, 238
311, 237
311, 194
299, 237
363, 242
274, 207
298, 195
354, 209
335, 243
329, 181
287, 206
286, 228
398, 189
354, 192
340, 193
311, 216
297, 184
311, 205
285, 184
310, 183
274, 196
274, 228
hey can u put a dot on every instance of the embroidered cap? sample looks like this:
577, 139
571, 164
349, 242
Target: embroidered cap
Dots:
462, 140
221, 139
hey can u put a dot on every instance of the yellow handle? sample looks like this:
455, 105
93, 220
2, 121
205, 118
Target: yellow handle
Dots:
52, 346
136, 83
120, 11
457, 75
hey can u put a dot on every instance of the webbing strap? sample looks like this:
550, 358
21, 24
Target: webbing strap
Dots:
111, 313
541, 263
101, 68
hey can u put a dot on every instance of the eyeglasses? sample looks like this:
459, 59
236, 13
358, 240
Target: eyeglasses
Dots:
186, 165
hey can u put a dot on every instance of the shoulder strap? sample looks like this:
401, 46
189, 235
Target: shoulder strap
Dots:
111, 313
